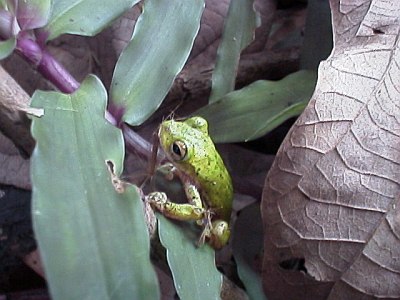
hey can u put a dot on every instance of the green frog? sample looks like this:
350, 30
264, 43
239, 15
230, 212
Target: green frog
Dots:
206, 181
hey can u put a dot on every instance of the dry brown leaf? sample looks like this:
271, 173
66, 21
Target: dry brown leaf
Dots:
331, 201
34, 261
13, 123
14, 169
205, 47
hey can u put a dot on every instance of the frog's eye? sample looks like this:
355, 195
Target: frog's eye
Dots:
178, 150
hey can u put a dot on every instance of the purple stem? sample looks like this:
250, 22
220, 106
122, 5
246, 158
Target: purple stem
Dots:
50, 68
135, 143
56, 73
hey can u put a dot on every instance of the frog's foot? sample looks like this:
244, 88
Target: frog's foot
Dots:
217, 234
205, 222
207, 227
177, 211
157, 200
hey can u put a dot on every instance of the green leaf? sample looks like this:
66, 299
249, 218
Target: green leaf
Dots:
84, 17
239, 29
33, 13
93, 240
193, 268
160, 46
7, 47
251, 280
258, 108
247, 247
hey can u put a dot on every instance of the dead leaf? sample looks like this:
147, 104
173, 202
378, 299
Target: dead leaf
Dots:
14, 170
331, 201
34, 261
212, 24
13, 122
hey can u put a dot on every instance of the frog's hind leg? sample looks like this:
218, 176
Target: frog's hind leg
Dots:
216, 233
219, 234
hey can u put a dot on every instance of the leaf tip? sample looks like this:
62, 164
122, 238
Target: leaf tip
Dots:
36, 112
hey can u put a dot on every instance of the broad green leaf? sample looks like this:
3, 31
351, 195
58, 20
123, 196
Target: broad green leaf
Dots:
193, 268
7, 47
239, 29
84, 17
93, 240
258, 108
160, 46
33, 13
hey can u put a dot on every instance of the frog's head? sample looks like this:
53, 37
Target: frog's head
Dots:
180, 139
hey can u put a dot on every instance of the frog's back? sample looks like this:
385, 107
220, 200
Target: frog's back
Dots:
216, 184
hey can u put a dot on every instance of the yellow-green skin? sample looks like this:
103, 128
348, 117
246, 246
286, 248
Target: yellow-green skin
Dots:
206, 180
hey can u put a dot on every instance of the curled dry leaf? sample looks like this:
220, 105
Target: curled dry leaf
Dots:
331, 202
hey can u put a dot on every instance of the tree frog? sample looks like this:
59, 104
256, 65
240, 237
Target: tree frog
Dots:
206, 181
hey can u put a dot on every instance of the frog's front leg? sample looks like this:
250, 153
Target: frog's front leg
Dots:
216, 233
193, 210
